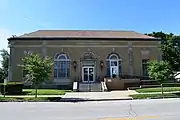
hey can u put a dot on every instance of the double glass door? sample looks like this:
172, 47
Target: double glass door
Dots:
88, 74
114, 68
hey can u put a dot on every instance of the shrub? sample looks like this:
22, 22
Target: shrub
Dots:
12, 88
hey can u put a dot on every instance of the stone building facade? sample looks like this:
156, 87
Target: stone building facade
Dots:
86, 55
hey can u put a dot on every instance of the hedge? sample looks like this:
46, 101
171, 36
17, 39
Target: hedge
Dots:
12, 88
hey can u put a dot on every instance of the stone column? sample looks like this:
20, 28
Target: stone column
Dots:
10, 62
160, 51
44, 49
130, 58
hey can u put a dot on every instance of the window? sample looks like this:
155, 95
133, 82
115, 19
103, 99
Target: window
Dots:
113, 65
27, 52
145, 67
61, 66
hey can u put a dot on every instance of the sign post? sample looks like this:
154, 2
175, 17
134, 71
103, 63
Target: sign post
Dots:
5, 83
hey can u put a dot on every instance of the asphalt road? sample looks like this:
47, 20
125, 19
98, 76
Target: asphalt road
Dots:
167, 109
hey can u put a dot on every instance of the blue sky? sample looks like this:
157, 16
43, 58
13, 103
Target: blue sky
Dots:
23, 16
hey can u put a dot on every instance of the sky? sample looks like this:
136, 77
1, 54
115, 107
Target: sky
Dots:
23, 16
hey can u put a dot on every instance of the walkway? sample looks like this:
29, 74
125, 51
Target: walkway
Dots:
113, 95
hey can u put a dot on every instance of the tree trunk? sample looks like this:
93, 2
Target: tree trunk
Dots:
36, 91
162, 88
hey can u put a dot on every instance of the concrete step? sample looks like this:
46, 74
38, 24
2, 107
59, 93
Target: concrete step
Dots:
94, 87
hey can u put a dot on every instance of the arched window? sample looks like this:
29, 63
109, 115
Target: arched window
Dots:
61, 66
113, 65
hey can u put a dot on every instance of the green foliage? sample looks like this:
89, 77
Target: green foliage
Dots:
46, 91
162, 35
1, 75
171, 53
5, 63
158, 89
14, 99
12, 89
38, 69
12, 83
154, 96
170, 48
160, 71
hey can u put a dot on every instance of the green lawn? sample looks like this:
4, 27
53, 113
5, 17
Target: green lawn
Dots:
155, 96
45, 92
158, 89
12, 83
24, 99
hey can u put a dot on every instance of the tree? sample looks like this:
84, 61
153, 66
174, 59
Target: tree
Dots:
4, 64
170, 49
160, 71
38, 69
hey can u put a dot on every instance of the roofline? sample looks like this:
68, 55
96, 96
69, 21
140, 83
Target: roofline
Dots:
82, 38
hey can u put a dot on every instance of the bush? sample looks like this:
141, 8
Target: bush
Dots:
154, 96
171, 84
29, 99
158, 89
45, 92
12, 88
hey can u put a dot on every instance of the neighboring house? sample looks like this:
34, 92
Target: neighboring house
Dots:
86, 55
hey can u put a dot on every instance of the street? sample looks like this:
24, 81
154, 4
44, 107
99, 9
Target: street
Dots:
167, 109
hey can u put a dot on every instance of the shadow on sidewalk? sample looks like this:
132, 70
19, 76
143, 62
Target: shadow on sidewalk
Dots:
71, 100
84, 100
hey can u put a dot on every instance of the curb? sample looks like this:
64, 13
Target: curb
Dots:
69, 100
86, 100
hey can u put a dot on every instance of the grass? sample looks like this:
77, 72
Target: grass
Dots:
155, 96
12, 83
24, 99
158, 89
45, 92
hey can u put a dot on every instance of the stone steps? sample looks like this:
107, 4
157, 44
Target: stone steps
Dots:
86, 87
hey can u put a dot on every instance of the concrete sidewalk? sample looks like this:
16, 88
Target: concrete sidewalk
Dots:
91, 96
113, 95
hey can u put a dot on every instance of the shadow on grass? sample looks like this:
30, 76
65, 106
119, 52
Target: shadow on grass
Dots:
18, 93
41, 99
25, 93
177, 94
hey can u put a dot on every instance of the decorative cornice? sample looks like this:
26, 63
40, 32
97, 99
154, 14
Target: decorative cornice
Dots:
80, 38
114, 46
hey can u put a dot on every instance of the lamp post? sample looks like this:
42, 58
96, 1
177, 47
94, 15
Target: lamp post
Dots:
5, 83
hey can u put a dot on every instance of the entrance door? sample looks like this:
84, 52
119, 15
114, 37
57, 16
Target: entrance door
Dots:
88, 74
114, 69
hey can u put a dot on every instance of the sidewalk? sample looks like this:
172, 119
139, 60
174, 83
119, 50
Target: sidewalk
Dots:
89, 96
113, 95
